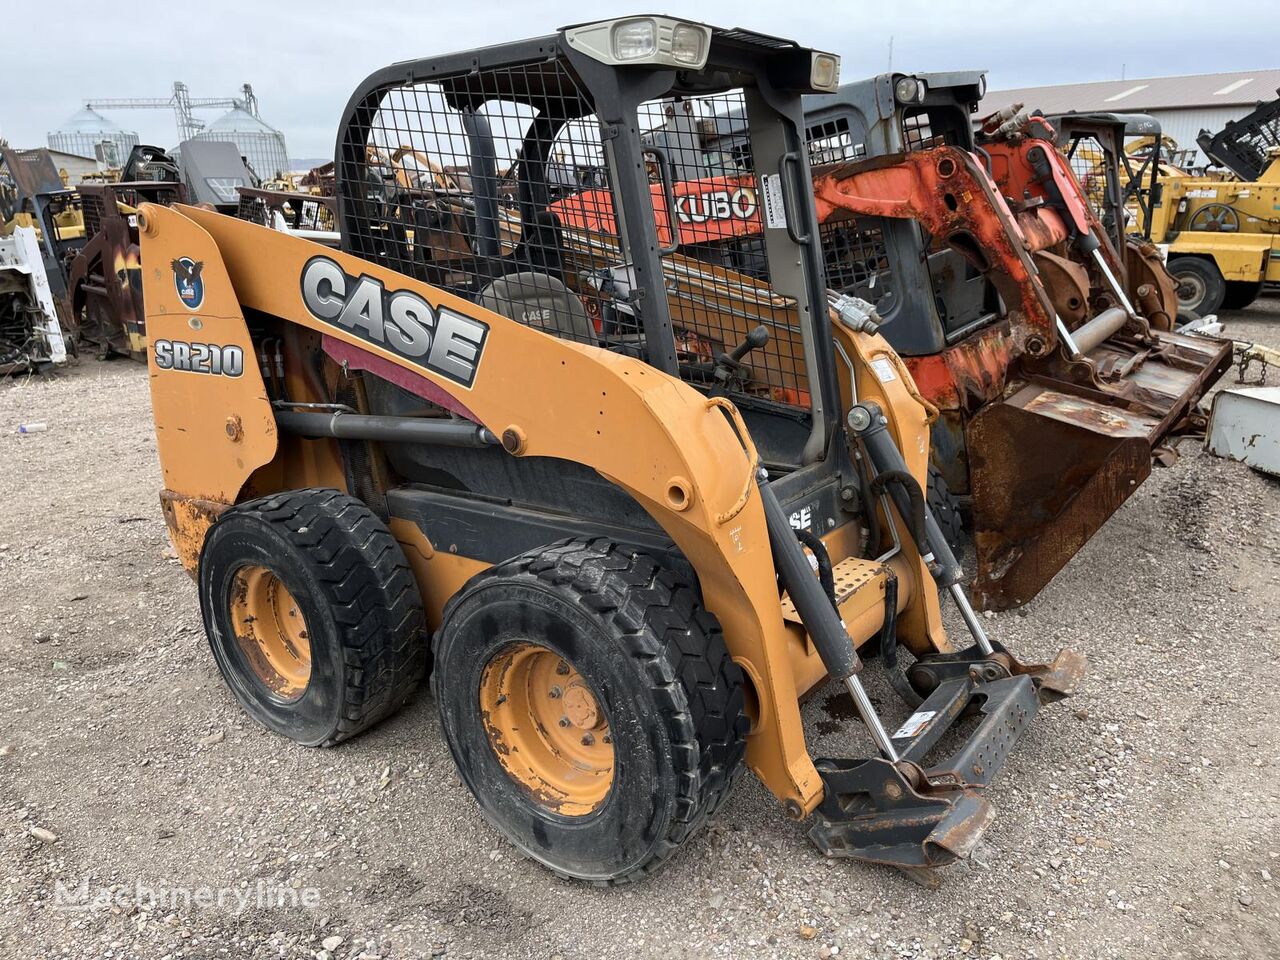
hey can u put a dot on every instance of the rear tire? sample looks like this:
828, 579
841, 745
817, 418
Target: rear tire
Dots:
312, 613
661, 692
1201, 288
945, 510
1240, 294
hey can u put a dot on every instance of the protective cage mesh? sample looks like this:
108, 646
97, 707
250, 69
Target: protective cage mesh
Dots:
853, 248
270, 208
1090, 162
496, 186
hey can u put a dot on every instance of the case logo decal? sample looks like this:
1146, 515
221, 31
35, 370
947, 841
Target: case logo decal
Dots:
188, 282
437, 338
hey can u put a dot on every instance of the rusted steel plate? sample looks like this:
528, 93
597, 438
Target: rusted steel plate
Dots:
1046, 471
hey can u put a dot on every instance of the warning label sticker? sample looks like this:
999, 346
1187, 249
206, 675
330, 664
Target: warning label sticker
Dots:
914, 724
883, 367
775, 213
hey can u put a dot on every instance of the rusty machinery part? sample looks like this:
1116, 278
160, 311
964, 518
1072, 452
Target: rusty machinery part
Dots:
1248, 354
1083, 414
672, 441
104, 280
950, 195
1031, 172
587, 659
312, 614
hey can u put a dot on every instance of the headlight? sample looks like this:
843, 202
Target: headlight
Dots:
634, 40
909, 90
824, 74
657, 41
688, 44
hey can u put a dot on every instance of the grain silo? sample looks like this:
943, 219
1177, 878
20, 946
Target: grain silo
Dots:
260, 143
86, 130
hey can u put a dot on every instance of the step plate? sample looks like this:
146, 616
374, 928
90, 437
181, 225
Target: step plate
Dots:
924, 817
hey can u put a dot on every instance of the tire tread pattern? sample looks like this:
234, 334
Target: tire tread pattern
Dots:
943, 506
371, 594
660, 624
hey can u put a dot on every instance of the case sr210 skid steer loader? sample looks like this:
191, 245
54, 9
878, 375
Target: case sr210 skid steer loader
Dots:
641, 505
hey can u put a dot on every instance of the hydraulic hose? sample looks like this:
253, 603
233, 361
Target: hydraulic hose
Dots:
812, 602
871, 427
826, 576
889, 645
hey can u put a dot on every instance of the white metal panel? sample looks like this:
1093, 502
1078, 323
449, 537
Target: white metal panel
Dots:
21, 252
1246, 426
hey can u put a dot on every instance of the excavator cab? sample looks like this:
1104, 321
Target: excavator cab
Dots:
1040, 331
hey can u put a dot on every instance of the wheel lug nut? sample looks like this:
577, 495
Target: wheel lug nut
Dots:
563, 669
564, 721
607, 739
554, 693
588, 740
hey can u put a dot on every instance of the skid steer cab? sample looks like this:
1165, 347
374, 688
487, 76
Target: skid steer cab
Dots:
640, 504
1039, 328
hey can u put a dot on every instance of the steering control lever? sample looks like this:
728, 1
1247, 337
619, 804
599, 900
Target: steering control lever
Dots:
729, 364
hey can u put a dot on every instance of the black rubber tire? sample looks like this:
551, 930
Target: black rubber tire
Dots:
658, 664
1207, 280
1240, 294
945, 510
356, 592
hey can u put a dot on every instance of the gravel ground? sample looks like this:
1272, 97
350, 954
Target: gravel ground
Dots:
1141, 818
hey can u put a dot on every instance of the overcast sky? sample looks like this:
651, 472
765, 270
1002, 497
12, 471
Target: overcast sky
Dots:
304, 59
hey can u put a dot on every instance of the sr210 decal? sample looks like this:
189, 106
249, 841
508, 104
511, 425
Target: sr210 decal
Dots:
437, 338
208, 358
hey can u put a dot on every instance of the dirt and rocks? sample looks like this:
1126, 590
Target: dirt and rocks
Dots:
1139, 819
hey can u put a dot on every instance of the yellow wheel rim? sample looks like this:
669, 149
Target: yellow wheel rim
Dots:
547, 729
271, 631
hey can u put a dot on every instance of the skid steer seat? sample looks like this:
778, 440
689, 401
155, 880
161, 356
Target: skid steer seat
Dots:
542, 302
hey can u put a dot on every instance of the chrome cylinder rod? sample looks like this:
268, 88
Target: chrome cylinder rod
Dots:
884, 743
1072, 350
1116, 290
971, 619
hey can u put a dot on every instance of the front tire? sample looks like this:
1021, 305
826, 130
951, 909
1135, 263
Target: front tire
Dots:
1201, 288
312, 614
591, 707
945, 510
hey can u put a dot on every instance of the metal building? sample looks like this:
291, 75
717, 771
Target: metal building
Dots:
259, 142
90, 134
1183, 105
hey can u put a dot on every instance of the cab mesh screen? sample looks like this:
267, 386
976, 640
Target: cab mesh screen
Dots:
496, 185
